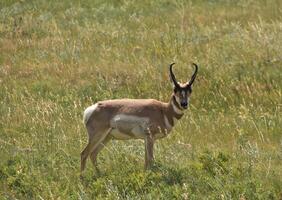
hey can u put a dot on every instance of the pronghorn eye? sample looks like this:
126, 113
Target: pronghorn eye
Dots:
189, 90
176, 90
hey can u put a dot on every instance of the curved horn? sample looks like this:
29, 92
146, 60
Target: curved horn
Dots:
194, 75
172, 76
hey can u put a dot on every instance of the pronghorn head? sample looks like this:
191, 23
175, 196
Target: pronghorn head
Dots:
182, 91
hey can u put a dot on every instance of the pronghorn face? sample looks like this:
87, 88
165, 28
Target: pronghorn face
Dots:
182, 95
182, 91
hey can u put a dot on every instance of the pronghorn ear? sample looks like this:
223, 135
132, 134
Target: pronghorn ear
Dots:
175, 87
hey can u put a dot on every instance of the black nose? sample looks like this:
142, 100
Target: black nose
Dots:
184, 104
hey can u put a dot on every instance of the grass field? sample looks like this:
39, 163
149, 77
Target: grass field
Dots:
58, 57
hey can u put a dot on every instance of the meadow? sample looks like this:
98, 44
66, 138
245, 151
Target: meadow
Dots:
59, 57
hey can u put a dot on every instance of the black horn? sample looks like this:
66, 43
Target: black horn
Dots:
172, 76
194, 75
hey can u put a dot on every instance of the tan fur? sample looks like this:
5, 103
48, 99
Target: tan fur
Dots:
146, 119
101, 128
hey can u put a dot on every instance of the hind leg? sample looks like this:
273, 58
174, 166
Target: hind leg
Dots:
94, 153
96, 136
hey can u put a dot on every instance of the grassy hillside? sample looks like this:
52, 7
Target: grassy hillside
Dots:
58, 57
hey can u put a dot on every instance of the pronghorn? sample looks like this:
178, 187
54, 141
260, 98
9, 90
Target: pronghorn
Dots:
124, 119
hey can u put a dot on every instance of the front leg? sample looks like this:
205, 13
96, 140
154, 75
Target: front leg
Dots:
149, 147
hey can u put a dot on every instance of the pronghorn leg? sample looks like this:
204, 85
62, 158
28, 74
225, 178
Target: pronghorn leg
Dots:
149, 147
83, 156
94, 153
96, 136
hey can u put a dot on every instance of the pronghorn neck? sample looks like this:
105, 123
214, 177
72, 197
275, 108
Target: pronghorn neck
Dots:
174, 112
174, 106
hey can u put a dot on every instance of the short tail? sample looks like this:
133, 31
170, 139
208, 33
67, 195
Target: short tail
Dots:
88, 113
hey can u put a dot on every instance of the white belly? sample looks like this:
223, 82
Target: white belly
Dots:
116, 134
129, 126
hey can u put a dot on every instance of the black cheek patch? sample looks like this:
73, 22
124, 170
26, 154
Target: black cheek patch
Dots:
176, 90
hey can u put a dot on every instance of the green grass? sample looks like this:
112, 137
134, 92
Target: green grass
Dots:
58, 57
